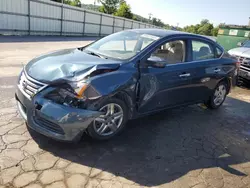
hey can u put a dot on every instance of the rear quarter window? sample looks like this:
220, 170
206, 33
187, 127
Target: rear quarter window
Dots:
218, 52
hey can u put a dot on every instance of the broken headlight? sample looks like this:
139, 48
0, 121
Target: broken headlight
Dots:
65, 96
69, 94
79, 89
85, 91
72, 94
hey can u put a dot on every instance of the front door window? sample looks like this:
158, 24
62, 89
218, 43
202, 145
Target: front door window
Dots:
171, 52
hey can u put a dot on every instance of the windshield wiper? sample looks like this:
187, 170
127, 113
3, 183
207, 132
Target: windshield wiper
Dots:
95, 54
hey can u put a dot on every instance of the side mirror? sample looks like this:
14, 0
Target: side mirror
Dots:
239, 43
156, 62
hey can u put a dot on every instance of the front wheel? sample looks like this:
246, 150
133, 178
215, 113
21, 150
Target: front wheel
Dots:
218, 97
112, 122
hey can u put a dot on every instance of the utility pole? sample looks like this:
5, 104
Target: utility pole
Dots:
94, 5
150, 16
61, 18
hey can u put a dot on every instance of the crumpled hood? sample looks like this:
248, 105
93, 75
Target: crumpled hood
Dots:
63, 63
241, 51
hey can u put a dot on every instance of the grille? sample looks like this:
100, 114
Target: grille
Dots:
244, 63
29, 86
48, 124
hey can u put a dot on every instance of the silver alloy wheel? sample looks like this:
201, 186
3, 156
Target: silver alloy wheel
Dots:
108, 124
219, 95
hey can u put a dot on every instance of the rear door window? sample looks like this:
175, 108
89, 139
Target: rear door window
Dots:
202, 51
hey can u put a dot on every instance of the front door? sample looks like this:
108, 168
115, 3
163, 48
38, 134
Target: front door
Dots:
169, 85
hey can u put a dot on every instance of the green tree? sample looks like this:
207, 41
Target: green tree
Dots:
215, 31
157, 22
108, 6
204, 21
135, 18
204, 28
122, 1
70, 2
192, 28
167, 26
124, 10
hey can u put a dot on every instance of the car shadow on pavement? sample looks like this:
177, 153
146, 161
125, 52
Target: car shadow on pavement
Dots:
161, 148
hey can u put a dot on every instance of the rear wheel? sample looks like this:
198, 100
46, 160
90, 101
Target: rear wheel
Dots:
219, 96
111, 122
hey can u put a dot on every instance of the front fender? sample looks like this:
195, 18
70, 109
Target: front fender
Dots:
114, 82
120, 84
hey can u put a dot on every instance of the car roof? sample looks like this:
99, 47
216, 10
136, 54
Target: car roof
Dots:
158, 32
164, 33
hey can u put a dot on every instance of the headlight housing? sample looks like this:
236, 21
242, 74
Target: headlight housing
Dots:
79, 88
84, 90
73, 94
69, 94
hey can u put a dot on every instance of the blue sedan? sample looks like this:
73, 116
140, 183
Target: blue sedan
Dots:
99, 87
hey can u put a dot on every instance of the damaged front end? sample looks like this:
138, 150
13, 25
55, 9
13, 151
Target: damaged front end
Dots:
65, 107
60, 121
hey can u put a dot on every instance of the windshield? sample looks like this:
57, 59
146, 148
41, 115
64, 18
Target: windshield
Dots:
247, 44
122, 45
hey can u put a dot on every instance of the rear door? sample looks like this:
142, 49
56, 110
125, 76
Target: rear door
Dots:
209, 68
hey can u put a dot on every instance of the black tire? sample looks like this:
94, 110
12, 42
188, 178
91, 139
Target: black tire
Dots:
91, 130
211, 103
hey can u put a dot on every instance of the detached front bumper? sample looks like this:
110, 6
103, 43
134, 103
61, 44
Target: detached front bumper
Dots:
54, 120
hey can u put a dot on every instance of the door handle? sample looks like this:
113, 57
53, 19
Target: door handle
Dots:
184, 75
216, 70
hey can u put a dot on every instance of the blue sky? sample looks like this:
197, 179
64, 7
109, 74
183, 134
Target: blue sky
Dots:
187, 12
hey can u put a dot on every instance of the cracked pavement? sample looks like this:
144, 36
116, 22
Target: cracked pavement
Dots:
189, 147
